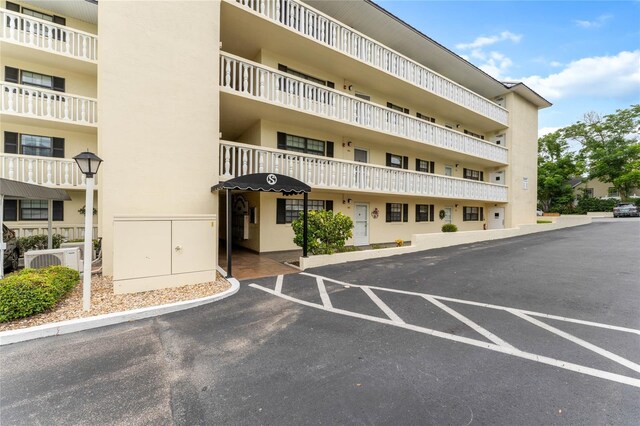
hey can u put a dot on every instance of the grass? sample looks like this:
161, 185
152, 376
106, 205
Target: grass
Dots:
544, 221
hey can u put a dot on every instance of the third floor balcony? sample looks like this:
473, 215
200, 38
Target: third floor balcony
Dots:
238, 159
255, 81
321, 29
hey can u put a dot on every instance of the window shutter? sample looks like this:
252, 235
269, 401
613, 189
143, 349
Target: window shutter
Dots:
388, 215
10, 142
481, 213
432, 166
328, 205
331, 84
11, 74
282, 68
13, 7
417, 212
58, 211
58, 147
405, 162
481, 175
58, 84
464, 173
388, 160
281, 210
10, 210
418, 164
432, 209
389, 105
329, 149
405, 212
59, 20
282, 140
406, 110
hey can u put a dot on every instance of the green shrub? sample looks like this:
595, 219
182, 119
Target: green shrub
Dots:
32, 291
38, 242
326, 233
449, 227
592, 204
544, 221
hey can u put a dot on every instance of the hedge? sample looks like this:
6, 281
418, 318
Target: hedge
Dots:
449, 227
32, 291
38, 242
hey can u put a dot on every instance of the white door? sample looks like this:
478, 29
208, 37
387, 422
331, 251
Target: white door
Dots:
448, 170
361, 155
448, 212
496, 218
361, 225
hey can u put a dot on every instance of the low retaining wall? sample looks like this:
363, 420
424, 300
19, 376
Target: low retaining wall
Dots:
420, 242
600, 214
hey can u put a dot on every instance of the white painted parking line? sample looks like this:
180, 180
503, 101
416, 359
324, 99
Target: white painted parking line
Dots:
383, 306
279, 284
486, 333
577, 341
497, 348
488, 305
326, 302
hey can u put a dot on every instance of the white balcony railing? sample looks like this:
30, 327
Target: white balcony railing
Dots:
46, 171
69, 231
18, 99
44, 35
255, 80
326, 173
326, 30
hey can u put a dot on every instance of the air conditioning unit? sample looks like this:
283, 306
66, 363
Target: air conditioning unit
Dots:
80, 246
69, 257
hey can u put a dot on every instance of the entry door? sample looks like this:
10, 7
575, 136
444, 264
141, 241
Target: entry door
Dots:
448, 213
361, 155
361, 226
496, 218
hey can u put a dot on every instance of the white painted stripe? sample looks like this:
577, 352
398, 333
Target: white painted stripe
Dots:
502, 349
279, 284
383, 306
486, 333
578, 341
326, 302
490, 306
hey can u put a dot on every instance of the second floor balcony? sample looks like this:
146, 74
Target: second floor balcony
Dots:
32, 102
46, 171
39, 34
253, 80
238, 159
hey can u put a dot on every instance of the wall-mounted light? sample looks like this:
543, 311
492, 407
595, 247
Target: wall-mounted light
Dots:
346, 144
457, 164
457, 126
347, 201
456, 206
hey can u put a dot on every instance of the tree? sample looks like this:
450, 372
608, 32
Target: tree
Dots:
326, 233
610, 147
556, 166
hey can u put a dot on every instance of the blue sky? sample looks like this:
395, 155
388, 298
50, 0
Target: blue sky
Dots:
581, 55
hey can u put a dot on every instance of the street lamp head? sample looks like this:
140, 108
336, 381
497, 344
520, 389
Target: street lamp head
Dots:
88, 163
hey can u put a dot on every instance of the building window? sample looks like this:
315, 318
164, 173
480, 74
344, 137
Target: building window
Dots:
304, 76
289, 209
397, 161
425, 212
588, 192
425, 118
51, 18
448, 170
32, 210
475, 135
397, 108
397, 212
304, 145
612, 192
425, 166
363, 96
473, 174
30, 78
44, 146
473, 214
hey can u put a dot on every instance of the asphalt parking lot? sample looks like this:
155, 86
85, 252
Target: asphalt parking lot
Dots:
542, 329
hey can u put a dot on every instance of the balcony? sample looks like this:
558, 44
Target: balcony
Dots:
250, 79
46, 171
29, 102
46, 36
325, 173
329, 32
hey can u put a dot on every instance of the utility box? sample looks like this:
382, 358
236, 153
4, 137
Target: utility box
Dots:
152, 252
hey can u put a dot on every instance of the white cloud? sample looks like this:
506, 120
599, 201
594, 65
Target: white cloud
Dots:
615, 76
546, 130
596, 23
555, 64
496, 65
489, 40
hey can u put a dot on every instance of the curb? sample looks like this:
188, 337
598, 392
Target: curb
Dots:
81, 324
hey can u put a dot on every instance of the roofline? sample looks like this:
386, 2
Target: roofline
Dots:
528, 93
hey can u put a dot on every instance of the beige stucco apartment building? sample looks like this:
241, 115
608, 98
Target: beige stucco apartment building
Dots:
386, 125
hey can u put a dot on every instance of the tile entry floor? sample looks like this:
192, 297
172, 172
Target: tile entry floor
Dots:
248, 265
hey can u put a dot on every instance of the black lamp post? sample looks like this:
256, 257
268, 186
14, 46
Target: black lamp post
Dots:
89, 163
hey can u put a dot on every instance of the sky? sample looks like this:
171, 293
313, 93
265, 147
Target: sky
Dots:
582, 56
